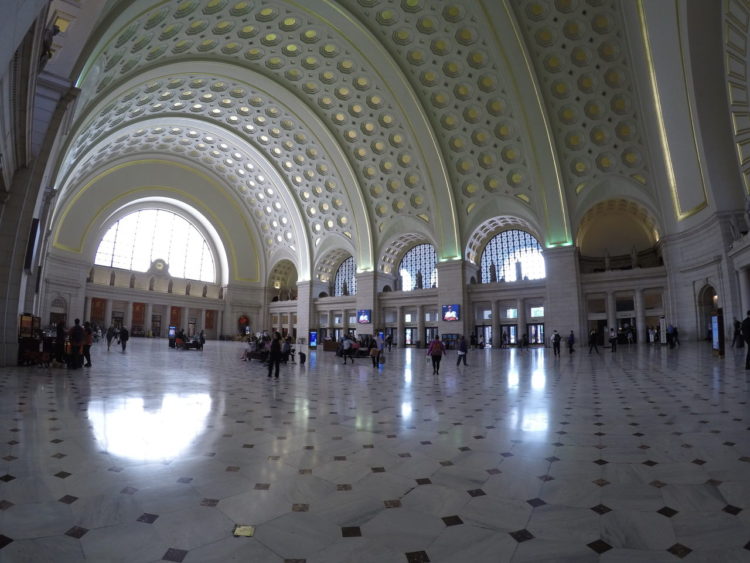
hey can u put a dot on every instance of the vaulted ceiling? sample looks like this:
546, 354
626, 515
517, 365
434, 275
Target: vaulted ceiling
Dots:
354, 127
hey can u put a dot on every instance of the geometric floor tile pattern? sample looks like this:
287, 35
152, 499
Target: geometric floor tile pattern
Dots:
157, 455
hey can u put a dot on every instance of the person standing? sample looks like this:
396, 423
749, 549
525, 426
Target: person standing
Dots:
124, 337
77, 336
435, 351
389, 341
556, 338
736, 335
274, 354
571, 342
592, 341
60, 343
462, 349
88, 340
613, 339
745, 328
346, 348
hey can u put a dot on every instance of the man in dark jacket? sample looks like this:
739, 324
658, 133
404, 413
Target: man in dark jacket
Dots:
124, 337
274, 356
746, 338
76, 336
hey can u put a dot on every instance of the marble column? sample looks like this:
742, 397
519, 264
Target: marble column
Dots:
202, 321
611, 312
185, 319
87, 310
641, 334
744, 279
147, 320
497, 337
399, 327
127, 319
420, 326
522, 329
344, 322
107, 313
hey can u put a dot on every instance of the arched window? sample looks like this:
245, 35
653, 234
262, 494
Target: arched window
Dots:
138, 239
512, 256
418, 268
346, 281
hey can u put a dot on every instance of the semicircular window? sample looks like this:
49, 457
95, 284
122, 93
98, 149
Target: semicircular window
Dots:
512, 255
136, 240
418, 268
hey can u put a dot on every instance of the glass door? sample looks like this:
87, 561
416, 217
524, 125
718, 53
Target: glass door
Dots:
410, 336
510, 333
536, 333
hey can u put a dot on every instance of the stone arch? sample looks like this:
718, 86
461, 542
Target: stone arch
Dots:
328, 263
491, 227
707, 302
282, 280
615, 227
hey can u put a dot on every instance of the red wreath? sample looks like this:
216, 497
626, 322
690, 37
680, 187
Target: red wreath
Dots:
244, 320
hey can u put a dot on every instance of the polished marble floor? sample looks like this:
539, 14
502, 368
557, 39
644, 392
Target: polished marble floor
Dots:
155, 455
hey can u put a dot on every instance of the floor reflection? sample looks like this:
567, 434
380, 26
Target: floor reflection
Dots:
149, 430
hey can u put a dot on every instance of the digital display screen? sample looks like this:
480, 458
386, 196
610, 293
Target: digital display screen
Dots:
172, 331
451, 312
364, 316
313, 339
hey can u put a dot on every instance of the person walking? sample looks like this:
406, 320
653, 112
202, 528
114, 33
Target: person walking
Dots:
462, 350
77, 337
88, 340
389, 341
124, 337
592, 341
556, 338
274, 354
346, 349
571, 342
110, 336
613, 339
60, 343
435, 351
745, 327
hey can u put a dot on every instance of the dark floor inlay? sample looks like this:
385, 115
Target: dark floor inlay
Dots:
129, 491
667, 511
535, 502
392, 503
417, 557
7, 478
5, 504
68, 499
76, 532
210, 502
350, 532
147, 518
522, 535
476, 492
600, 546
452, 520
679, 550
62, 474
300, 508
731, 509
424, 481
601, 509
175, 555
4, 540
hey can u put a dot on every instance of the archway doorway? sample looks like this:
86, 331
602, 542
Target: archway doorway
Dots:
708, 303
